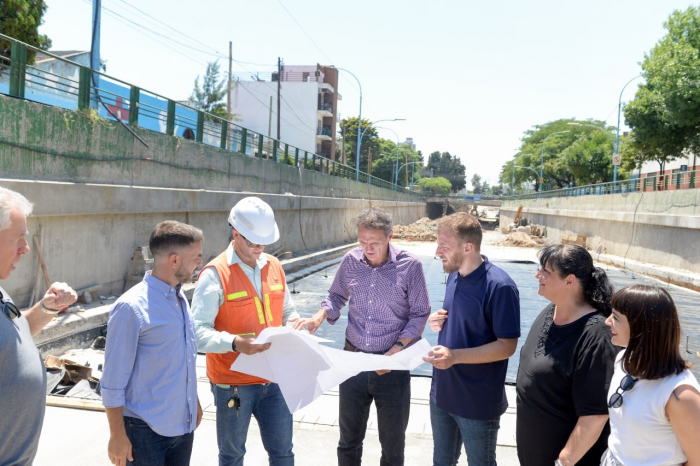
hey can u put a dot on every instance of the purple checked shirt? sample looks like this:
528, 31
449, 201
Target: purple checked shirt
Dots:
387, 302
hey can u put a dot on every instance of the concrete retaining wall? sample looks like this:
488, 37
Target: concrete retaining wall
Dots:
660, 228
91, 230
39, 142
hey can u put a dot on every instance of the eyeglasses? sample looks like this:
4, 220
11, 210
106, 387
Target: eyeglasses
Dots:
8, 308
251, 245
626, 384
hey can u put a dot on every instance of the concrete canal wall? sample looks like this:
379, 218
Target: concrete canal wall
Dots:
661, 228
99, 192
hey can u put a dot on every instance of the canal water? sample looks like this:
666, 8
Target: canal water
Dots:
311, 290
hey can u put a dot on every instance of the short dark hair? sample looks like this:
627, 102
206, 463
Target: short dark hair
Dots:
568, 259
465, 227
170, 235
374, 218
653, 351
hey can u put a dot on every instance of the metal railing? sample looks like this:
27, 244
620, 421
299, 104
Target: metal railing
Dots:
651, 182
118, 100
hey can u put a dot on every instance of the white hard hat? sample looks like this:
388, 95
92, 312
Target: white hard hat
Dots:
253, 218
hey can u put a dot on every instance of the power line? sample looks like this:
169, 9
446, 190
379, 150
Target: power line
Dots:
89, 2
304, 31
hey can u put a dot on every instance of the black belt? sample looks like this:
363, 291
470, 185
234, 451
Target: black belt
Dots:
350, 347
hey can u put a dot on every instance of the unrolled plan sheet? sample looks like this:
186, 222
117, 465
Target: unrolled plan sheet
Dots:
305, 369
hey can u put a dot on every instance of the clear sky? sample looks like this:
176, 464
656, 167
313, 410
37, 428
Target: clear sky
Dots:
469, 77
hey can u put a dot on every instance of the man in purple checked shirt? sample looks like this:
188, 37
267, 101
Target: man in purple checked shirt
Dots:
388, 310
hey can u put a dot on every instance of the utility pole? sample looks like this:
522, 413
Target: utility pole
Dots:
228, 98
95, 47
269, 119
342, 147
279, 93
369, 161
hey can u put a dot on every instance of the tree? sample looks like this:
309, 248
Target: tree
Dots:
439, 185
450, 167
665, 113
370, 142
210, 97
477, 188
576, 155
21, 19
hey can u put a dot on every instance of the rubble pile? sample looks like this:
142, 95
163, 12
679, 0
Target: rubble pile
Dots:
520, 239
421, 230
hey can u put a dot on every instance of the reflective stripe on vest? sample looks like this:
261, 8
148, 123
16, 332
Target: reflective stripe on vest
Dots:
258, 307
276, 287
267, 307
240, 294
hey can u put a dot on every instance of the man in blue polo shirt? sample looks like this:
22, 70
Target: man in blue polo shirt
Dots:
479, 329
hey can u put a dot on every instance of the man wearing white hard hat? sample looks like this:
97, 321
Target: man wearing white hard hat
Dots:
238, 294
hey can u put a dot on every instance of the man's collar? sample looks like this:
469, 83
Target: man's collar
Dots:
159, 285
477, 273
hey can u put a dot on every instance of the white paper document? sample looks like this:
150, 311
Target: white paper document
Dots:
304, 369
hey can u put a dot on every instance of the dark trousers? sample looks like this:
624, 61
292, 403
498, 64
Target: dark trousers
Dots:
151, 449
392, 394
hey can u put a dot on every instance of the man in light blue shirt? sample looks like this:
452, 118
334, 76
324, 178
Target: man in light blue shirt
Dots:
149, 386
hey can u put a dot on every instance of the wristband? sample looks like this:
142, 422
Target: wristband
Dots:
399, 344
46, 310
233, 344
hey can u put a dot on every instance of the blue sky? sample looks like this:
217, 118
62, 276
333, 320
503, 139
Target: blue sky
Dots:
469, 77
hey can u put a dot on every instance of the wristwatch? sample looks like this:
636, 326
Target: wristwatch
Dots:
399, 344
557, 462
233, 344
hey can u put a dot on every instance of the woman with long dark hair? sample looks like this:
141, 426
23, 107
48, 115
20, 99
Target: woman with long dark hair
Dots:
654, 400
566, 364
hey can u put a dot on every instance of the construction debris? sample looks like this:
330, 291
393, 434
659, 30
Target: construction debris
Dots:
574, 239
421, 230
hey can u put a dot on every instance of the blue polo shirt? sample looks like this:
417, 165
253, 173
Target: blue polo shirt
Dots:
482, 307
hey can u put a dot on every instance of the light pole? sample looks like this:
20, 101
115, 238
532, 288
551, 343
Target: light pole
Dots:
512, 184
617, 137
361, 135
396, 178
542, 166
359, 125
414, 167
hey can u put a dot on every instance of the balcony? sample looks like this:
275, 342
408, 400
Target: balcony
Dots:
325, 110
325, 87
324, 134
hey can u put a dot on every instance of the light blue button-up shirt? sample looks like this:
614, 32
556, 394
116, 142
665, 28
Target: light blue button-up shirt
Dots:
150, 358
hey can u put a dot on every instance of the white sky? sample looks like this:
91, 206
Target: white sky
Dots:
468, 76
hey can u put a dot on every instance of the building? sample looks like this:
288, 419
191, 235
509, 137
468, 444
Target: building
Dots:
308, 106
409, 142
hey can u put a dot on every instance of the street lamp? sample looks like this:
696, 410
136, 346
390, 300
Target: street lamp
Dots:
359, 124
512, 184
396, 178
542, 166
617, 137
414, 167
361, 135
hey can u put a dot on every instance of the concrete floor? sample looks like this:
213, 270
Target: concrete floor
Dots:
83, 434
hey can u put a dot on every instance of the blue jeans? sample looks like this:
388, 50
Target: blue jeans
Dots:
449, 431
265, 402
151, 449
392, 394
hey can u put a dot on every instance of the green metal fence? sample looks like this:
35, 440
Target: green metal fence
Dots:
96, 89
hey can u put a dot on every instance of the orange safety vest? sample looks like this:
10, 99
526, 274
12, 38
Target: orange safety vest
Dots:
244, 313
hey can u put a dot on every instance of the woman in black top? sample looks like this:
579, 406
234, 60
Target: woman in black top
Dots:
566, 364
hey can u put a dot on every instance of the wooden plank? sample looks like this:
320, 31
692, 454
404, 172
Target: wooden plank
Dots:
75, 403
